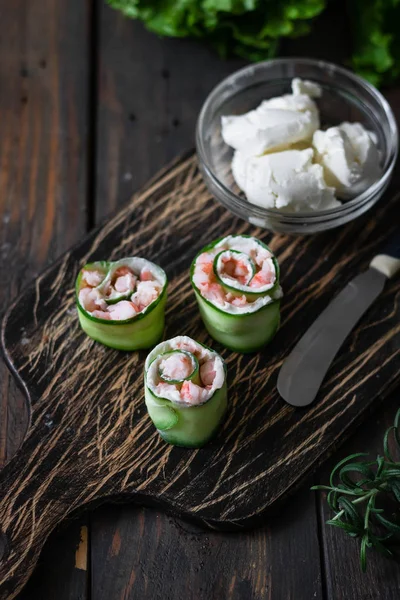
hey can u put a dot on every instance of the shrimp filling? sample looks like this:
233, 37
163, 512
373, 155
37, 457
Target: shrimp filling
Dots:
184, 371
235, 268
236, 275
178, 366
122, 292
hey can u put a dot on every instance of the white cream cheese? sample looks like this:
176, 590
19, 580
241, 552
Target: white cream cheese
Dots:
308, 88
349, 157
284, 180
275, 124
283, 160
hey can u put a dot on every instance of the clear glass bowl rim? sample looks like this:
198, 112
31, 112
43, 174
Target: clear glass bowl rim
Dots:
256, 211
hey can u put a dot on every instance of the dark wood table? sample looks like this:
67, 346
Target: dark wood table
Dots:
92, 105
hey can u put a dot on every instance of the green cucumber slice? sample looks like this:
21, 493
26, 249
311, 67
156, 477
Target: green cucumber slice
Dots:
196, 423
142, 331
165, 418
117, 297
240, 331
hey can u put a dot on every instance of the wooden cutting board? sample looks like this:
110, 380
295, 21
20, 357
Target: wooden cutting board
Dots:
90, 438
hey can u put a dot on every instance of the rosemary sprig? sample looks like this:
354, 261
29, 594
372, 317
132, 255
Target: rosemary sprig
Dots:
359, 492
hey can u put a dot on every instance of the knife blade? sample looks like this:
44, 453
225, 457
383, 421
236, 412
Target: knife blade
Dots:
303, 371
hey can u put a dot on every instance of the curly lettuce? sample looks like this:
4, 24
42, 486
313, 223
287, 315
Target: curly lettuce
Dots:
247, 28
376, 39
252, 29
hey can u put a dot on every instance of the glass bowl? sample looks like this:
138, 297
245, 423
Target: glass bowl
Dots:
345, 97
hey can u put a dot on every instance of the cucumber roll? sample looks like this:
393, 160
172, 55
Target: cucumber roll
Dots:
121, 304
185, 391
236, 282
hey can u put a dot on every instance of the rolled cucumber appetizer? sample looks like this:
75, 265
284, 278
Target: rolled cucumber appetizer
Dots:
185, 391
121, 304
236, 282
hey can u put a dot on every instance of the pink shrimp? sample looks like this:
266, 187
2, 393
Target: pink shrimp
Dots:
192, 393
261, 256
262, 278
122, 271
236, 269
200, 278
228, 266
122, 310
189, 346
92, 278
203, 272
241, 269
102, 314
146, 275
176, 366
207, 268
125, 283
204, 258
146, 293
91, 299
207, 372
135, 306
239, 301
215, 293
163, 389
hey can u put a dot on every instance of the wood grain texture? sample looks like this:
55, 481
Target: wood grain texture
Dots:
344, 578
90, 437
42, 149
150, 556
43, 178
63, 567
147, 109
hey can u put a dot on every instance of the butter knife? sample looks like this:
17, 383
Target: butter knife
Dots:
303, 371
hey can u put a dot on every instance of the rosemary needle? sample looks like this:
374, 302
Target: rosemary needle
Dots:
358, 491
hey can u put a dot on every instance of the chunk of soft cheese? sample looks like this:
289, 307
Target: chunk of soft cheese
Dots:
276, 123
273, 162
303, 86
285, 180
349, 157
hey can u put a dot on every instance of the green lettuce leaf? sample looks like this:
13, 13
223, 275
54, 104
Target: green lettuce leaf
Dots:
247, 28
376, 39
252, 29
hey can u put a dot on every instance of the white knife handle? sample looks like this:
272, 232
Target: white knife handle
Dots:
388, 263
